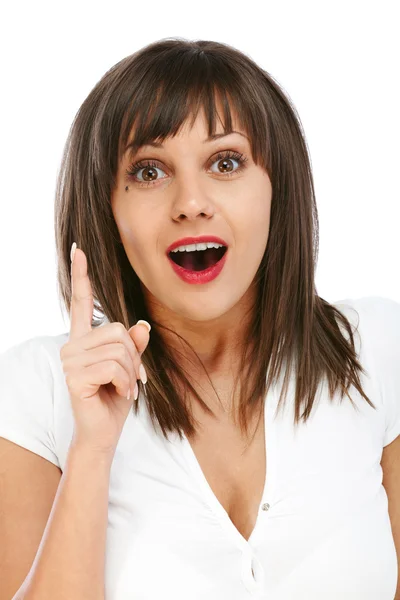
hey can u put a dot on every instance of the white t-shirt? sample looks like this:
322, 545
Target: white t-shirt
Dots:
323, 529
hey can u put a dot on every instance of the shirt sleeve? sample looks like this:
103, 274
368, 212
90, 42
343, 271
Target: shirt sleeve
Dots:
26, 398
380, 323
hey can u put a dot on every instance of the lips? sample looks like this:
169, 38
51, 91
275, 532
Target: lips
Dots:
195, 240
202, 276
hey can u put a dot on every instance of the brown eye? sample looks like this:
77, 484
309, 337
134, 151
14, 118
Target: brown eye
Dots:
225, 165
149, 173
224, 160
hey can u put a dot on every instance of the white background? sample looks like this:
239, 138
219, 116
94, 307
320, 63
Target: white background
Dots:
338, 62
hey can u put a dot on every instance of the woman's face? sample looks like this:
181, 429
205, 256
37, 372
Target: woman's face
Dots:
189, 191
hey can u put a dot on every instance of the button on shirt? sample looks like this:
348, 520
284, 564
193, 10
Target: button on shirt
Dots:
322, 529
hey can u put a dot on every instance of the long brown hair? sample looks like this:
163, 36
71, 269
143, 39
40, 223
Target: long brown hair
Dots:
157, 89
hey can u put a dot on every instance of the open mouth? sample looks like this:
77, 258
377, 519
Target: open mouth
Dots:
198, 260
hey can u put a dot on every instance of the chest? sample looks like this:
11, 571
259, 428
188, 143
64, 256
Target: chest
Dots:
234, 468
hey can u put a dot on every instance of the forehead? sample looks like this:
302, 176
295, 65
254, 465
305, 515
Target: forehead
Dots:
156, 144
139, 140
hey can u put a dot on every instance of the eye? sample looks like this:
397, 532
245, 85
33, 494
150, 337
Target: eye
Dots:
225, 165
224, 160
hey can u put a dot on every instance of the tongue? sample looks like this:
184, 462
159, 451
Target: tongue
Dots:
199, 260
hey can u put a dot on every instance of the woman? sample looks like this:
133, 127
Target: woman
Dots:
250, 463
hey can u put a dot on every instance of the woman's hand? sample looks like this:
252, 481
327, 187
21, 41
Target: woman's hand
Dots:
101, 367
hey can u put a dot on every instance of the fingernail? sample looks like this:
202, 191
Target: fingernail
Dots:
144, 323
142, 373
73, 248
136, 391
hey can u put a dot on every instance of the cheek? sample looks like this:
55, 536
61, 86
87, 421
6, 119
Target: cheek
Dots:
132, 235
140, 243
254, 217
255, 226
262, 212
137, 246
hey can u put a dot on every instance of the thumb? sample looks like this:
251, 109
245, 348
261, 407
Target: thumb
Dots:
140, 335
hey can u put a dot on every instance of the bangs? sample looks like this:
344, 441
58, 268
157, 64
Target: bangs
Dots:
174, 90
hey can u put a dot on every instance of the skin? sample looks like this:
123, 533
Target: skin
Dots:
193, 196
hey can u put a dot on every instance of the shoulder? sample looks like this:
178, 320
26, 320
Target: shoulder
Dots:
377, 305
376, 323
30, 378
376, 318
380, 329
39, 354
30, 366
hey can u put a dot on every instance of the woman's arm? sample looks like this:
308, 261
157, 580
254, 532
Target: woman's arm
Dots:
71, 557
390, 464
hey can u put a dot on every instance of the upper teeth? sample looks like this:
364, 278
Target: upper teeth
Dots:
193, 247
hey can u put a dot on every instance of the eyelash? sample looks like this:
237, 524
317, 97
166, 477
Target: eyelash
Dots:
136, 167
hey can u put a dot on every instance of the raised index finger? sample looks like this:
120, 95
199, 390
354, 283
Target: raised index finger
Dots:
81, 310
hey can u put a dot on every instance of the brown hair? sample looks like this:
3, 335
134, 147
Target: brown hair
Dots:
157, 89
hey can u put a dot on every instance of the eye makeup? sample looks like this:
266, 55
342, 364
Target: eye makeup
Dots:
134, 168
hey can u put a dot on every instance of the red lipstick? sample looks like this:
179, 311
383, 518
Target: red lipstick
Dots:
193, 276
195, 240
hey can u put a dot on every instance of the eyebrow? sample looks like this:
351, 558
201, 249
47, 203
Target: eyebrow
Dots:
210, 138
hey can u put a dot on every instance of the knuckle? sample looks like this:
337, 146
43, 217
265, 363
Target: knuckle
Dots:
120, 329
70, 381
63, 351
78, 297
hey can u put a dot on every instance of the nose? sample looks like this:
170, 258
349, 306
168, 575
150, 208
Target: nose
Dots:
191, 208
191, 198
